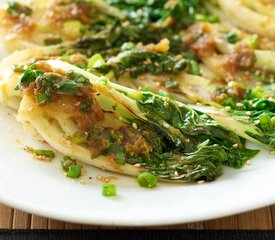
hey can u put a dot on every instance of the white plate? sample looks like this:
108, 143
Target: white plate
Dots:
41, 188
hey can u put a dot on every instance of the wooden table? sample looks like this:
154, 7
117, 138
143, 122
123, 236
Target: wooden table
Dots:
262, 219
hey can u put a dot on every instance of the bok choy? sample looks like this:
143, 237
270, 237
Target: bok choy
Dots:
126, 130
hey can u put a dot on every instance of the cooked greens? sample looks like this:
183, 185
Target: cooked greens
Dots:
136, 62
162, 55
253, 116
166, 138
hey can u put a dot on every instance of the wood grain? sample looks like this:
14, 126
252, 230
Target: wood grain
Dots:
73, 226
222, 223
21, 220
6, 217
247, 221
39, 222
261, 219
55, 224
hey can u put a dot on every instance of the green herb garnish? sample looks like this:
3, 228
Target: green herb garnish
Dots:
67, 162
45, 153
52, 41
16, 9
231, 37
74, 171
147, 180
109, 190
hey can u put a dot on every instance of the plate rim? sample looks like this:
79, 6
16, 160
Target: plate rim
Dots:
126, 223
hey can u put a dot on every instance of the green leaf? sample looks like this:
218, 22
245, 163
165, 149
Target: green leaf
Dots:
52, 41
231, 37
69, 86
29, 76
16, 9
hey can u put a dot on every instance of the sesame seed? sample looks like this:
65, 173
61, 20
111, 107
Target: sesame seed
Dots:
29, 149
239, 104
139, 12
166, 125
82, 182
257, 122
120, 118
166, 105
231, 84
30, 109
235, 145
201, 182
178, 57
125, 24
248, 113
99, 177
68, 163
83, 172
259, 84
227, 108
42, 158
250, 102
66, 136
134, 125
77, 104
272, 152
176, 173
107, 180
137, 165
248, 162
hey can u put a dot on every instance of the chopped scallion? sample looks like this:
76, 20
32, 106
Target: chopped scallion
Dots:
74, 171
80, 137
147, 180
104, 81
231, 37
252, 41
171, 83
52, 41
205, 18
96, 61
109, 190
194, 68
45, 153
67, 162
42, 98
120, 156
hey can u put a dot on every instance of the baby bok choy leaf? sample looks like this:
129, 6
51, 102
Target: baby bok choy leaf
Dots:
253, 118
256, 126
132, 129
